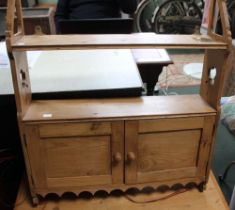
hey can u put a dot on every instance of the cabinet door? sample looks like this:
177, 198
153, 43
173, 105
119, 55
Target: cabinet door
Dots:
167, 149
76, 154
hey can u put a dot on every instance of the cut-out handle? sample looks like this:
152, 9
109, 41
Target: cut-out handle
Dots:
22, 75
212, 75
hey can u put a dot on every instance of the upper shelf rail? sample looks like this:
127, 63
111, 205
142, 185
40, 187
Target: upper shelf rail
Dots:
137, 40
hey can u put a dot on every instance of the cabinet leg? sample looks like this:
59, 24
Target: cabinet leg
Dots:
201, 187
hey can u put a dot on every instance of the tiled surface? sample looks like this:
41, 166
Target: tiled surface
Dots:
173, 75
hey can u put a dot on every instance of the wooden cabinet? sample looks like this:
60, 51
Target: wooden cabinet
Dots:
77, 145
39, 20
118, 153
36, 20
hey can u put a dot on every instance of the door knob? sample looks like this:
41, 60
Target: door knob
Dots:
131, 156
117, 157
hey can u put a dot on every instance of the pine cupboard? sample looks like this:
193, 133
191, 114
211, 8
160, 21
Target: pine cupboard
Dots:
77, 145
124, 152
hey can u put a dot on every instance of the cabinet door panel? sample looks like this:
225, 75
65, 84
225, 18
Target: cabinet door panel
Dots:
177, 149
84, 156
158, 151
75, 160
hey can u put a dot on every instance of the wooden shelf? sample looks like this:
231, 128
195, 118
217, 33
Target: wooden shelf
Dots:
138, 40
92, 109
117, 143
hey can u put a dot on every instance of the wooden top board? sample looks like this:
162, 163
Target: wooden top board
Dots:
127, 41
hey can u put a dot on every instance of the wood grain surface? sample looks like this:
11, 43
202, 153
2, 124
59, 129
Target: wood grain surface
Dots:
210, 199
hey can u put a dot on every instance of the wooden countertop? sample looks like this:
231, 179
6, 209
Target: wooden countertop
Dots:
210, 199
